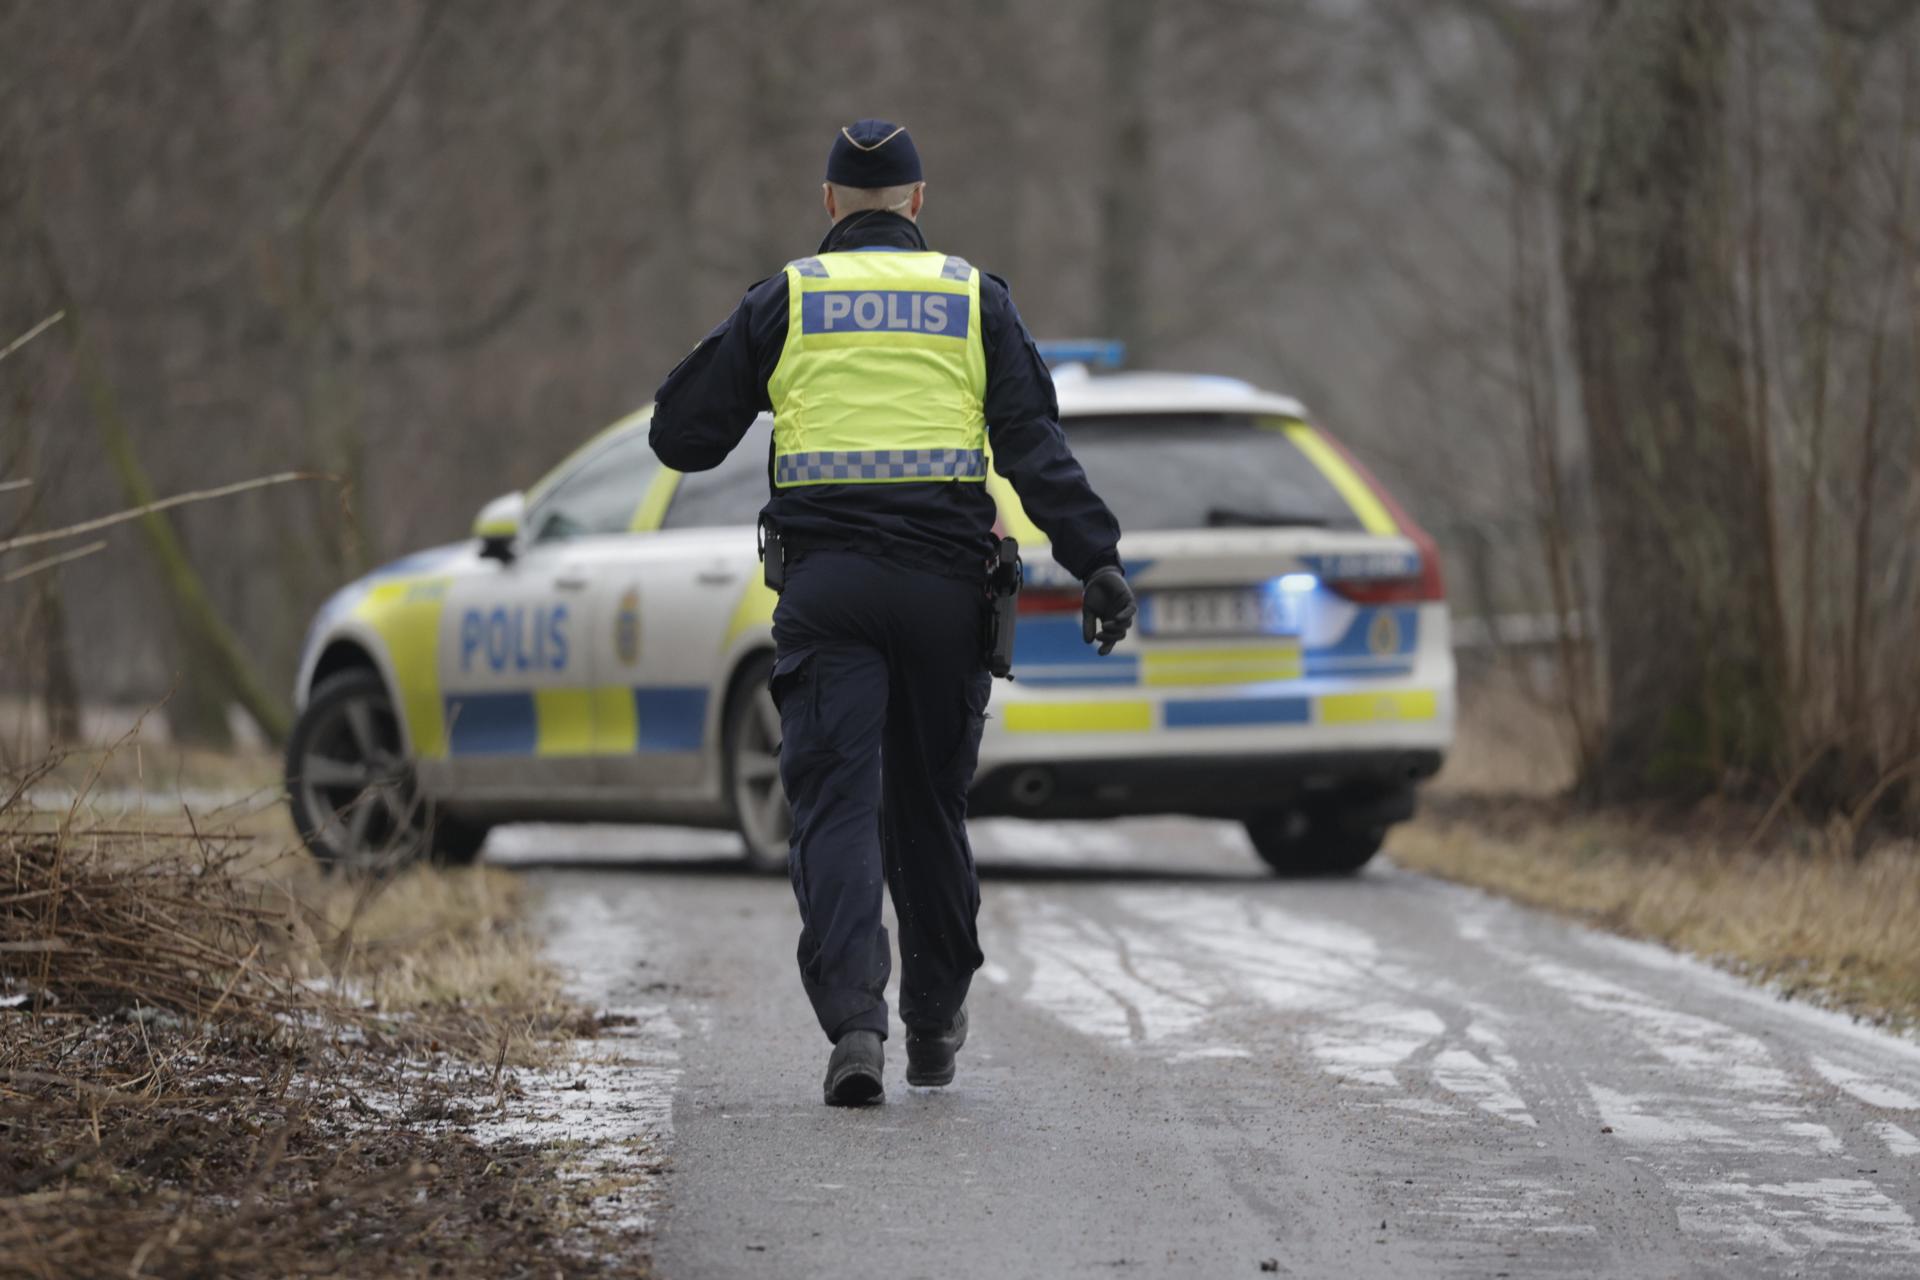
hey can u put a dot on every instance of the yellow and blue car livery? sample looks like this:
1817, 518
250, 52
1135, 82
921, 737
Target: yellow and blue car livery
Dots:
582, 678
577, 659
1333, 667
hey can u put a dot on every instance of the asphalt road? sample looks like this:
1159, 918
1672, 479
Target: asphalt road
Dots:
1180, 1066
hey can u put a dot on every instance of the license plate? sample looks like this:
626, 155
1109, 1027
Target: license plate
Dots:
1229, 612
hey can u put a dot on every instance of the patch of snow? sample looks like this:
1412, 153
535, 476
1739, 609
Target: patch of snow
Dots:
1829, 1026
1466, 1075
1870, 1091
1159, 984
1824, 1140
1899, 1141
1113, 984
1506, 1204
1658, 1120
1792, 1219
1217, 1051
608, 1108
1420, 1107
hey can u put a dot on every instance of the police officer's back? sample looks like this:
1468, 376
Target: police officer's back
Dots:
891, 370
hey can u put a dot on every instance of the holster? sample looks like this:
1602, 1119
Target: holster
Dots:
1003, 601
773, 556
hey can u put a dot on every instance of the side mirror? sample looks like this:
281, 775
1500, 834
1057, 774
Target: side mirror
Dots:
498, 526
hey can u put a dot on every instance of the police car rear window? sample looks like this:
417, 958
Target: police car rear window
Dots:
1199, 471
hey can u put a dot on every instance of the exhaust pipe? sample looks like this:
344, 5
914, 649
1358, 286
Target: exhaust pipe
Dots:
1032, 787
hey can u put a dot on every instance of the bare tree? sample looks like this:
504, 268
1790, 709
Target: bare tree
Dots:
1694, 661
1126, 210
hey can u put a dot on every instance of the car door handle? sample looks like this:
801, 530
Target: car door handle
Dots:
572, 582
716, 577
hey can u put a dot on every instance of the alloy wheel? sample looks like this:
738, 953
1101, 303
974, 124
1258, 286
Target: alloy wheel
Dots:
758, 798
357, 786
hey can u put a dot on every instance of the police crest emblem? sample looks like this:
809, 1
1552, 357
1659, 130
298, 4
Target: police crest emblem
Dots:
1383, 636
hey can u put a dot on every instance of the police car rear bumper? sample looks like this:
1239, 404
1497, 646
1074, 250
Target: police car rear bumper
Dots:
1210, 787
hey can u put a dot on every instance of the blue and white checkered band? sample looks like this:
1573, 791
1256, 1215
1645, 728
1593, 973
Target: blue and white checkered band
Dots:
880, 464
811, 267
956, 268
929, 312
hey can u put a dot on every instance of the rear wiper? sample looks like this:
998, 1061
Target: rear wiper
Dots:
1234, 518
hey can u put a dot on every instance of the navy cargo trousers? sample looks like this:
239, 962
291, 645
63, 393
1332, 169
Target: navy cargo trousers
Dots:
882, 690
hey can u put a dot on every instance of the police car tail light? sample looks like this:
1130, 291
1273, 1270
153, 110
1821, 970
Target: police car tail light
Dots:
1423, 587
1034, 600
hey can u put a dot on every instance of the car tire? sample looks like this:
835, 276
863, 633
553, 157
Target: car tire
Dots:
751, 747
1298, 844
456, 842
349, 784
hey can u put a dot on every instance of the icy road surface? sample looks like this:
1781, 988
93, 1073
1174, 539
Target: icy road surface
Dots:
1181, 1066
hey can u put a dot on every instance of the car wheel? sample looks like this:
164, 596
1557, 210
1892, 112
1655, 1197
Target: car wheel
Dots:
349, 783
1300, 844
753, 768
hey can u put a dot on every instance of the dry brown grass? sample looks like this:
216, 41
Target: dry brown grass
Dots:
216, 1062
447, 948
1822, 924
1802, 910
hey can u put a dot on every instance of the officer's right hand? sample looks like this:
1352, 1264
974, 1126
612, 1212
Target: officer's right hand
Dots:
1106, 609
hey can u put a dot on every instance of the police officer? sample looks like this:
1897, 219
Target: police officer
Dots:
889, 369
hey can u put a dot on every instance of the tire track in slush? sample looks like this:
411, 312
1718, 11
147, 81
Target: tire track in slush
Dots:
1325, 981
1668, 1107
1493, 1088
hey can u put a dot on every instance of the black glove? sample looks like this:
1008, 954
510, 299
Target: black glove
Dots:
1106, 609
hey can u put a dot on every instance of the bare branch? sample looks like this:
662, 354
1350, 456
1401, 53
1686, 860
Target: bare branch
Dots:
50, 562
178, 500
377, 111
1865, 20
32, 333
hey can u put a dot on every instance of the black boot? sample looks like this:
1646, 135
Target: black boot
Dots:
853, 1072
930, 1053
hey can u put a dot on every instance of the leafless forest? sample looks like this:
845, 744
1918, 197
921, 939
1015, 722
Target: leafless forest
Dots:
1623, 296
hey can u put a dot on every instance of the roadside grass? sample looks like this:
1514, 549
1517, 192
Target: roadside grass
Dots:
131, 765
444, 947
1801, 911
1819, 924
215, 1061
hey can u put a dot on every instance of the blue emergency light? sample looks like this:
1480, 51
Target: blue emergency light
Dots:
1097, 353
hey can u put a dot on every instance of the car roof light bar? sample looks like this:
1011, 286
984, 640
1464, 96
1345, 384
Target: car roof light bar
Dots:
1097, 353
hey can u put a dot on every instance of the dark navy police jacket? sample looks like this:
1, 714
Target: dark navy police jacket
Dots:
707, 403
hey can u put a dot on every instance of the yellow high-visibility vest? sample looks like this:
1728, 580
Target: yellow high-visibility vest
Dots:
883, 374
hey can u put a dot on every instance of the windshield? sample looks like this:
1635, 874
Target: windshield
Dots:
730, 494
600, 493
1200, 471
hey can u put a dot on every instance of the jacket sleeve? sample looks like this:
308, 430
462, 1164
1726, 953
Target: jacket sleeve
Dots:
1030, 449
710, 399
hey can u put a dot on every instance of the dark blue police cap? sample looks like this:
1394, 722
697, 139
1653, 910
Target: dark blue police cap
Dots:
873, 153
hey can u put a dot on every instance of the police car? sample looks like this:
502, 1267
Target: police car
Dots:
599, 650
